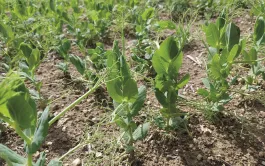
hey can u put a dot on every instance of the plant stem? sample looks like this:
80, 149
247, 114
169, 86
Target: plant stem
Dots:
71, 151
75, 103
29, 160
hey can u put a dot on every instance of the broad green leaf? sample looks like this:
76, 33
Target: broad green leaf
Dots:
141, 131
137, 105
34, 59
11, 157
165, 24
161, 98
114, 90
251, 56
162, 57
6, 31
23, 110
233, 53
41, 161
130, 91
55, 162
259, 30
78, 63
232, 35
203, 92
160, 64
175, 65
148, 13
26, 49
212, 35
216, 67
40, 133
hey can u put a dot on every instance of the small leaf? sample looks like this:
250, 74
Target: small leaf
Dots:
141, 131
40, 133
55, 162
161, 98
203, 92
41, 161
259, 30
165, 24
6, 31
233, 53
206, 83
26, 49
148, 13
78, 63
137, 105
184, 80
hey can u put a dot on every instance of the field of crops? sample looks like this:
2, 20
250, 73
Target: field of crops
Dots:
132, 82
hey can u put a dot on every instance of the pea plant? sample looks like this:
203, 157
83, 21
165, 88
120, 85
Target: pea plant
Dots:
251, 57
127, 98
19, 111
167, 61
225, 48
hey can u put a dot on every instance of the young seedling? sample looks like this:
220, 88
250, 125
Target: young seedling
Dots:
20, 112
167, 61
128, 99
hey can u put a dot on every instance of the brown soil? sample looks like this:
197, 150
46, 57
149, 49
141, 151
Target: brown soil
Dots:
236, 140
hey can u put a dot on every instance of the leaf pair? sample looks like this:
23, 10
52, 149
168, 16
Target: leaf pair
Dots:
120, 85
32, 56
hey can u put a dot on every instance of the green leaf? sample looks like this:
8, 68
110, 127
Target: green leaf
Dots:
130, 91
184, 80
121, 122
78, 63
232, 35
114, 90
41, 161
26, 49
162, 57
233, 53
52, 5
40, 133
138, 104
165, 24
216, 67
206, 83
6, 31
141, 131
259, 30
203, 92
220, 22
148, 13
161, 98
212, 35
175, 65
34, 59
11, 157
55, 162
